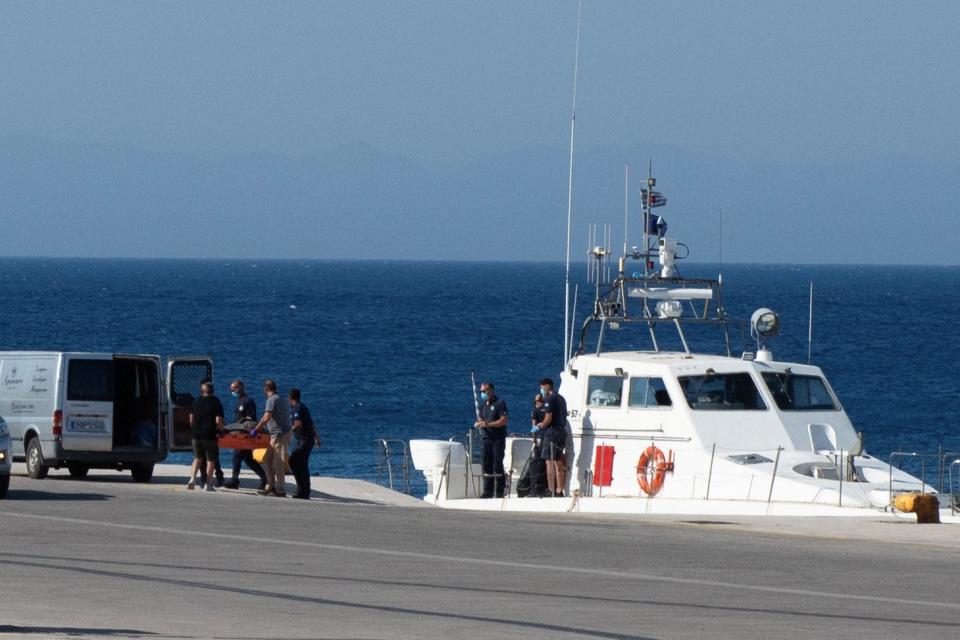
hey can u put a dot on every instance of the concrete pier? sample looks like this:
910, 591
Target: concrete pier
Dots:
106, 558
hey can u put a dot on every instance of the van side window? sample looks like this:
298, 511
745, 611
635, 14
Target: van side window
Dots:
604, 391
90, 380
648, 392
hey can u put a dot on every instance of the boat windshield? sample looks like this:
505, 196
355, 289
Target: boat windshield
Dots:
722, 392
794, 392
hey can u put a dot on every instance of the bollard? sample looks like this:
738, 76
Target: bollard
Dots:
925, 505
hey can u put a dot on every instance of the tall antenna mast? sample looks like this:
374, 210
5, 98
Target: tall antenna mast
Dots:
645, 204
721, 236
626, 200
573, 125
810, 326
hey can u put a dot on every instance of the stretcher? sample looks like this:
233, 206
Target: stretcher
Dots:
237, 435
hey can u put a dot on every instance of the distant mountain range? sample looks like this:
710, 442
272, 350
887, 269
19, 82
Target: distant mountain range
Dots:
358, 202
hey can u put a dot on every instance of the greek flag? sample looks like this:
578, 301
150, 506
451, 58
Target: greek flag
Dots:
656, 198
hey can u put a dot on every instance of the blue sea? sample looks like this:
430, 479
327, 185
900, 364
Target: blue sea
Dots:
385, 349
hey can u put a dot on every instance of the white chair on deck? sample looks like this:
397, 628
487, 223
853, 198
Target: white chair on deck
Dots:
823, 438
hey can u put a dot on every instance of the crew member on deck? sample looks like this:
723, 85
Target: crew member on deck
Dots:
493, 426
554, 437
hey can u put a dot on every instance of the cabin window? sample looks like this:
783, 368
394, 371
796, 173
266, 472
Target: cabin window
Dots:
793, 392
604, 391
90, 380
648, 392
722, 392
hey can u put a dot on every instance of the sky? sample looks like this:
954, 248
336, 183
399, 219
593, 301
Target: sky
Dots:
445, 85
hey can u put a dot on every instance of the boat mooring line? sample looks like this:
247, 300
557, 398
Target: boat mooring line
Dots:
487, 562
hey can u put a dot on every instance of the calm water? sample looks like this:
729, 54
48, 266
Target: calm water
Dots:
386, 349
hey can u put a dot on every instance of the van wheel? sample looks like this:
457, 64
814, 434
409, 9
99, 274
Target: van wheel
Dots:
4, 485
78, 470
142, 472
35, 467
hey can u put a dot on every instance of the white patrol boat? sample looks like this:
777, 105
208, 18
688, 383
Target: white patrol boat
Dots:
670, 430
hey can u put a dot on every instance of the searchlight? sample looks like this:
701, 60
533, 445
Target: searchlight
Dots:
764, 324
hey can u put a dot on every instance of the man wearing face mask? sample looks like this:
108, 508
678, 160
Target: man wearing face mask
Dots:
245, 411
493, 426
554, 437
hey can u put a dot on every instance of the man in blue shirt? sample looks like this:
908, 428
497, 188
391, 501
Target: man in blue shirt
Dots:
493, 426
245, 411
305, 434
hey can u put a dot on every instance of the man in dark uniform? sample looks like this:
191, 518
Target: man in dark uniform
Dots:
305, 433
493, 426
245, 411
554, 438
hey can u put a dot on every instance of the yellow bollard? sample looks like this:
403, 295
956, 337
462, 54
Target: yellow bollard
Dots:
925, 505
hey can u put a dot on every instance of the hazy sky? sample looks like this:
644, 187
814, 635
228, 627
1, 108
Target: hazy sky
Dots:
443, 82
453, 84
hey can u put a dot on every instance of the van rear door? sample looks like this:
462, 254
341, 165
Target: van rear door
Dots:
184, 376
88, 403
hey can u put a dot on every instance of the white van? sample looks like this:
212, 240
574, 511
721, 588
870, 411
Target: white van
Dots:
97, 410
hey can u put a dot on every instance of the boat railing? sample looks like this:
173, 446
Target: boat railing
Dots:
711, 479
636, 299
387, 451
954, 491
941, 463
470, 476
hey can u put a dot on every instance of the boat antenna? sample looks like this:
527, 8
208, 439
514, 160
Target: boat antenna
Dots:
573, 314
721, 237
810, 325
567, 345
626, 202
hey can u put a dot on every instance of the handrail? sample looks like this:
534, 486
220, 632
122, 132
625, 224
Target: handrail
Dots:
941, 458
384, 465
954, 507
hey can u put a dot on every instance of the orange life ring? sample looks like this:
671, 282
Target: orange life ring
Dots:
652, 470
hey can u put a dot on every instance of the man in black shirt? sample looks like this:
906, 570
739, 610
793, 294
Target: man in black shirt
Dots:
305, 433
493, 426
206, 419
245, 411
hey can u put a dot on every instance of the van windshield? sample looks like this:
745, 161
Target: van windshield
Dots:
90, 380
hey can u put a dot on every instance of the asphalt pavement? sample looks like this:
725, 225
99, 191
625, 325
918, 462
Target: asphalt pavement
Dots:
106, 558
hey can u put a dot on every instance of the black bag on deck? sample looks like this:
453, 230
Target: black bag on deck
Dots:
533, 478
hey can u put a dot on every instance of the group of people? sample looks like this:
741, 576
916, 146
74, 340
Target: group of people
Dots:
283, 420
548, 424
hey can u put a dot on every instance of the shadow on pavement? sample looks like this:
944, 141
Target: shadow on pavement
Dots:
31, 494
74, 631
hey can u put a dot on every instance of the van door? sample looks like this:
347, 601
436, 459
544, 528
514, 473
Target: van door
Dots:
184, 376
88, 403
